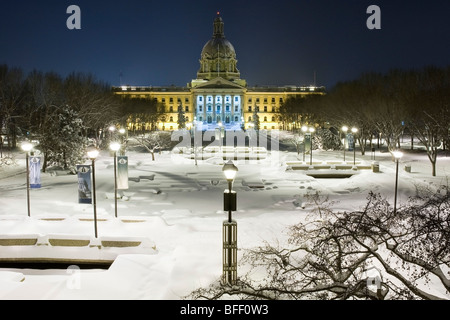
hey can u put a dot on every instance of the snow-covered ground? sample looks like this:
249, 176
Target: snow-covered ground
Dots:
176, 209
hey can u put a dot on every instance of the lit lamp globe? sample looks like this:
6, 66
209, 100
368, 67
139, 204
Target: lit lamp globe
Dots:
397, 155
26, 146
115, 146
230, 170
92, 153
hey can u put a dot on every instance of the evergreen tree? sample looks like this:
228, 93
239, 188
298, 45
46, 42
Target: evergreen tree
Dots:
324, 139
181, 118
256, 121
62, 141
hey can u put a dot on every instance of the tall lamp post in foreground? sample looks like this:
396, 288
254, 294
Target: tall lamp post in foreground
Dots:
229, 253
27, 147
115, 146
397, 155
92, 153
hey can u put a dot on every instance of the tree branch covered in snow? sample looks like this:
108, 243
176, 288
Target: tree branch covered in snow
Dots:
373, 253
152, 142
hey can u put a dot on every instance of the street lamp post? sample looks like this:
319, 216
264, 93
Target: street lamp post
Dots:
229, 253
304, 129
27, 147
194, 135
1, 146
397, 155
311, 130
122, 133
115, 146
111, 129
93, 153
344, 129
354, 131
301, 141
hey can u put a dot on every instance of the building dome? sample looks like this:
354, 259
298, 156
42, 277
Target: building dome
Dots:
218, 58
218, 47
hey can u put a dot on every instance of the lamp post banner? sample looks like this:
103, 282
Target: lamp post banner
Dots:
307, 142
84, 184
122, 173
351, 141
35, 172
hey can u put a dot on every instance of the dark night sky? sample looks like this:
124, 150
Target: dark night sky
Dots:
278, 42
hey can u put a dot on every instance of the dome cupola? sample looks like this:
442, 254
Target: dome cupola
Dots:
218, 58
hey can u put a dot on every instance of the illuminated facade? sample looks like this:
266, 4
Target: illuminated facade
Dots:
218, 96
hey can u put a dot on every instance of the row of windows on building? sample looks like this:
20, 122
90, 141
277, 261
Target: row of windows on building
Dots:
236, 99
200, 99
209, 99
218, 119
218, 108
186, 109
186, 100
257, 100
218, 99
227, 108
250, 109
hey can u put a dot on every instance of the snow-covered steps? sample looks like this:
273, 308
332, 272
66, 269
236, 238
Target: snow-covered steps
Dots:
327, 165
63, 249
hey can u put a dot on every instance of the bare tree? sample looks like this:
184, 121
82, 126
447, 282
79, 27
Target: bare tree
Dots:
333, 255
152, 142
12, 99
297, 140
139, 112
297, 111
431, 111
347, 105
94, 101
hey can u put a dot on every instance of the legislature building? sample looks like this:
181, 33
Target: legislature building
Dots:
218, 96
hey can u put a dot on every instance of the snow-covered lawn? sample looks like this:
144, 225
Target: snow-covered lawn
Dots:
177, 215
